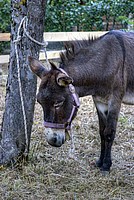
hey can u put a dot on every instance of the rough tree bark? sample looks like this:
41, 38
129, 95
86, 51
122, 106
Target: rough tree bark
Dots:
13, 141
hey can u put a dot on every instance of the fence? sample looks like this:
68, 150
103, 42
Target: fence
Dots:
52, 37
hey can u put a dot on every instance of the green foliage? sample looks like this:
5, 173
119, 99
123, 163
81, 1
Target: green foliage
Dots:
4, 21
4, 15
62, 16
3, 47
87, 15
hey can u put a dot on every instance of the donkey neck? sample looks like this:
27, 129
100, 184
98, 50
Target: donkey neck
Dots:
89, 69
87, 80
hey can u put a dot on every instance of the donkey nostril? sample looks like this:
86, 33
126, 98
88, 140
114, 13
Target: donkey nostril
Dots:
54, 140
63, 140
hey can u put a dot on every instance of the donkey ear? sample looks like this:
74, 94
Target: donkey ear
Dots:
53, 66
36, 66
63, 80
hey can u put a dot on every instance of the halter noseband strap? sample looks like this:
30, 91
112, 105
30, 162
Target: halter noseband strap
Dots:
76, 105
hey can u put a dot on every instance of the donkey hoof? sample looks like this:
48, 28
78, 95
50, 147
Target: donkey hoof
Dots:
99, 163
105, 173
105, 168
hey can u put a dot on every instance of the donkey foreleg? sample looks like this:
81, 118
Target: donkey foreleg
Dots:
108, 116
102, 126
109, 135
110, 130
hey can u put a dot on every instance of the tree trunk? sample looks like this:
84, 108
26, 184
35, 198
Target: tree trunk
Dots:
13, 142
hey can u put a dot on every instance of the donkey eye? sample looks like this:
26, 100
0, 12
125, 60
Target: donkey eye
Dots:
58, 104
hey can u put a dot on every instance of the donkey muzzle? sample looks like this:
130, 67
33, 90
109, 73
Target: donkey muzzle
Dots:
55, 137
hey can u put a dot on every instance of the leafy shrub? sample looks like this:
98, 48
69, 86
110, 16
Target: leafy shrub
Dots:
4, 15
4, 21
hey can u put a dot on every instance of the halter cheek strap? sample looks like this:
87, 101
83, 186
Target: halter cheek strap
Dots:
76, 105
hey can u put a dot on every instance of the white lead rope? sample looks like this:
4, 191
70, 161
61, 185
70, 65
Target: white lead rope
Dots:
23, 24
20, 85
72, 146
43, 44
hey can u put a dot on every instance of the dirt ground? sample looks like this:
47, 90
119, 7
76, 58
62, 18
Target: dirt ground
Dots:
57, 174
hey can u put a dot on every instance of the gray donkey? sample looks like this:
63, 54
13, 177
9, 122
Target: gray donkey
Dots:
103, 68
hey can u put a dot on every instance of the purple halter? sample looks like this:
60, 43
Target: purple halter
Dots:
76, 105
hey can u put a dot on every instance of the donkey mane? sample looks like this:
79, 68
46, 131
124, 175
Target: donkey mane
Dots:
73, 47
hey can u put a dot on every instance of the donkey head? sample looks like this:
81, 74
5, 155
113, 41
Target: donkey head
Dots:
58, 99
